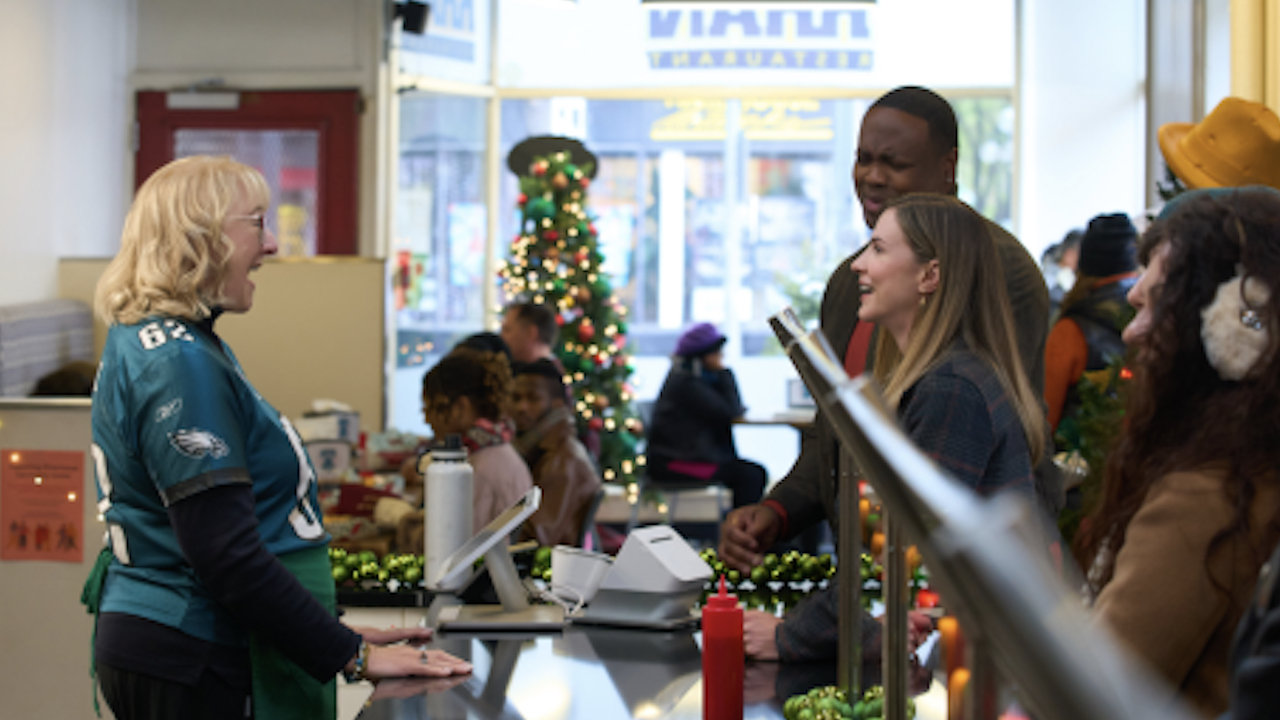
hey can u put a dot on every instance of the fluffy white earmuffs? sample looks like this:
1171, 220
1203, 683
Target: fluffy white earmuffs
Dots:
1234, 333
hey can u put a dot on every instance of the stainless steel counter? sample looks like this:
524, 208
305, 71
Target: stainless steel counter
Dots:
595, 673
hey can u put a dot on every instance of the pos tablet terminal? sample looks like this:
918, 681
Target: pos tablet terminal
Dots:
515, 612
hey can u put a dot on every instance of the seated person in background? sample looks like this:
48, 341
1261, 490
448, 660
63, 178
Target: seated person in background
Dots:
484, 342
75, 379
1190, 504
691, 431
531, 331
1086, 336
1059, 263
548, 442
468, 393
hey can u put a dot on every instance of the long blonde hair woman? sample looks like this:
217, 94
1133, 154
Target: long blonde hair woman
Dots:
946, 356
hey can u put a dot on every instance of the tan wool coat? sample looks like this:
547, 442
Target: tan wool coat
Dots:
1162, 601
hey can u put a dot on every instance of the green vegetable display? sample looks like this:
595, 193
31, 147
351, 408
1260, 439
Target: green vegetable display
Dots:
364, 569
831, 703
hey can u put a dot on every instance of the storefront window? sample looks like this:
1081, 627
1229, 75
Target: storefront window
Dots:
438, 247
659, 198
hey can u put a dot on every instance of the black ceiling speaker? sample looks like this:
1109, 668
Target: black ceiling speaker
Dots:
413, 15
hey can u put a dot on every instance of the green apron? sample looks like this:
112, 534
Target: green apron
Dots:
281, 689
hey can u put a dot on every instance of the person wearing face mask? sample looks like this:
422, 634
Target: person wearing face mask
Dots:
1190, 505
213, 597
909, 142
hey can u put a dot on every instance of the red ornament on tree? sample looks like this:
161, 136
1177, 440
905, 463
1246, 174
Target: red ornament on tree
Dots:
586, 331
600, 359
559, 320
521, 199
585, 182
539, 168
551, 234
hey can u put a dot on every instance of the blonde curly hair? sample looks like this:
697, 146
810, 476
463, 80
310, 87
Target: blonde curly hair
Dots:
173, 251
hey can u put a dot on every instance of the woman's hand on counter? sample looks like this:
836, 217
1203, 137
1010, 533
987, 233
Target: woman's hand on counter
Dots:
398, 661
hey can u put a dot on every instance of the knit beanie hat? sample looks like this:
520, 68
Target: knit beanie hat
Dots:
1108, 247
699, 340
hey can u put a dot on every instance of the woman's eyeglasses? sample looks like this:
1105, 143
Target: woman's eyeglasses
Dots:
259, 221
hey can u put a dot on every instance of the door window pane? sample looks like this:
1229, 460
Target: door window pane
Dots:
288, 159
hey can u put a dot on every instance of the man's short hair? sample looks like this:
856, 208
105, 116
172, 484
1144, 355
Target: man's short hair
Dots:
928, 106
541, 317
545, 369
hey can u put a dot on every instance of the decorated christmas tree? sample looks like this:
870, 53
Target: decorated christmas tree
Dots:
555, 260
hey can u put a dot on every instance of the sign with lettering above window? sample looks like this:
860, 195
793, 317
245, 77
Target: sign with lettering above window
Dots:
760, 36
872, 46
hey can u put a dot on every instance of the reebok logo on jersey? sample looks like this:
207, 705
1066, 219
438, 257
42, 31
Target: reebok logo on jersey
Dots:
169, 409
196, 443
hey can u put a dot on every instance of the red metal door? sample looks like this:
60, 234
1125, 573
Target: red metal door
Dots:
305, 144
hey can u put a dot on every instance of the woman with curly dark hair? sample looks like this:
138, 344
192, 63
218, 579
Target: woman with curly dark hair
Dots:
1191, 500
468, 393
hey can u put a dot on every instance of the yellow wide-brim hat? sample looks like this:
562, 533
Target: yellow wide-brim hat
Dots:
1236, 144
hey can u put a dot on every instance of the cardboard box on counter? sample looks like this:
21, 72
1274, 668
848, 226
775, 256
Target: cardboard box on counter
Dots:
330, 458
343, 426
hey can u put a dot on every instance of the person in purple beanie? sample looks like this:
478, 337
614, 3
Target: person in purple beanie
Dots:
691, 432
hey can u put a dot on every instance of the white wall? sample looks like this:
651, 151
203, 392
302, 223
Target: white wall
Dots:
276, 45
1082, 115
64, 68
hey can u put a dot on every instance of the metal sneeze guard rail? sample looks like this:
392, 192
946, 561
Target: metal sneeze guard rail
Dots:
1023, 624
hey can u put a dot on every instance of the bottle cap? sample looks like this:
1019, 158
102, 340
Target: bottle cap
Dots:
449, 448
722, 600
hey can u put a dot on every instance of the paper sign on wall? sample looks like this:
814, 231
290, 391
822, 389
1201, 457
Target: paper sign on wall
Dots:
41, 508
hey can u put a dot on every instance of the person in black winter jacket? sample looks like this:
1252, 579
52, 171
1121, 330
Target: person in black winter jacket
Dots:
691, 432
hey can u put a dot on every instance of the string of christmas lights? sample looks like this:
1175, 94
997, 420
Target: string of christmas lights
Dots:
555, 260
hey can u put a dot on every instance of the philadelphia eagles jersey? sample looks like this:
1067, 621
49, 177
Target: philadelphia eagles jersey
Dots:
174, 415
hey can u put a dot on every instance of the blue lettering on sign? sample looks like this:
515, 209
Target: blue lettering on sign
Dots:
663, 23
805, 26
666, 24
754, 58
328, 459
721, 20
454, 14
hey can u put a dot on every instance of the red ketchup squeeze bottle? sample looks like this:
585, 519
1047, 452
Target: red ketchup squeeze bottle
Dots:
722, 657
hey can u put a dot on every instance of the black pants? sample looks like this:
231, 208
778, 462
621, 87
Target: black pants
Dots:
745, 478
134, 696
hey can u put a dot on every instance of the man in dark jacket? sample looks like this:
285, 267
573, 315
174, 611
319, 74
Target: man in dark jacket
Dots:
908, 143
548, 442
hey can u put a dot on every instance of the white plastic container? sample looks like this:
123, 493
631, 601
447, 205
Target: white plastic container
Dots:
447, 506
576, 574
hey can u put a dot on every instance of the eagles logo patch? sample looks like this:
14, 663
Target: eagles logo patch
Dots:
196, 443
